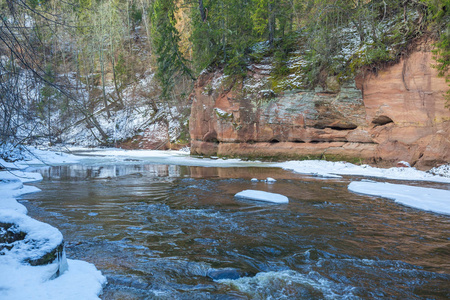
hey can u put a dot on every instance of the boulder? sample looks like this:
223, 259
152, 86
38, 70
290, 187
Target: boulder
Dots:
26, 240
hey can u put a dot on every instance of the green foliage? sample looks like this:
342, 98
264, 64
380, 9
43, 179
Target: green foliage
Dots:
282, 48
440, 14
135, 14
166, 40
260, 17
123, 70
224, 36
82, 11
48, 93
236, 64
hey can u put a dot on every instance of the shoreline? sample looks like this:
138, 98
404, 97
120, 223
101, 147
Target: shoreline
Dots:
79, 272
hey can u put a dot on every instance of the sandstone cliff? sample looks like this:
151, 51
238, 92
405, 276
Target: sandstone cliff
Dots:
395, 114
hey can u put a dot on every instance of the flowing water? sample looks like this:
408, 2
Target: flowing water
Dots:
176, 232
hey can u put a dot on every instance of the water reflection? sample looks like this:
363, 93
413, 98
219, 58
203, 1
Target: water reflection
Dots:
176, 232
85, 172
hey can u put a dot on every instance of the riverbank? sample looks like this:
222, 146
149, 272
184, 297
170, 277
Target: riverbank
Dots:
83, 281
30, 269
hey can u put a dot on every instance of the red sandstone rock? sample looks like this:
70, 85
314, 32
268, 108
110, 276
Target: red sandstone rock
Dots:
403, 164
398, 114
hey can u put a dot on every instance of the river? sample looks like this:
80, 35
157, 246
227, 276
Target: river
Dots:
177, 232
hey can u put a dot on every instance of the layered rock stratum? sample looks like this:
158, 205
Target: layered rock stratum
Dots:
396, 113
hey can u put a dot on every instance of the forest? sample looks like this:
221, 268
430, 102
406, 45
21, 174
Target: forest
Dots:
308, 149
91, 63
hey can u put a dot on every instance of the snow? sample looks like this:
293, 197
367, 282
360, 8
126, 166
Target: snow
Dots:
167, 157
81, 281
40, 238
443, 170
435, 200
217, 81
404, 163
19, 280
34, 156
11, 187
262, 196
329, 169
270, 180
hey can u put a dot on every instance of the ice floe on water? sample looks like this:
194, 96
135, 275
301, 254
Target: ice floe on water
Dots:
262, 196
435, 200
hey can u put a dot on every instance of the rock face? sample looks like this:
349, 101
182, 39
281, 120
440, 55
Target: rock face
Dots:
398, 114
410, 96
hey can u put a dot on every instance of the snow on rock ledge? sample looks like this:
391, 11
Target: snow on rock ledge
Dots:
262, 196
30, 241
429, 199
33, 264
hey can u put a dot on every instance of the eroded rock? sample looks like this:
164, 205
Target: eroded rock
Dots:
397, 114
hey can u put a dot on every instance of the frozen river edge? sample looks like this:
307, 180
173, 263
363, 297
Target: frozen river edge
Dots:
82, 280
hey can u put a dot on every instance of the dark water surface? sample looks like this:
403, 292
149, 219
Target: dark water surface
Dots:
174, 232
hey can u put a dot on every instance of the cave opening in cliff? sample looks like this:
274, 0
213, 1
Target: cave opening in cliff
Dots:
382, 120
343, 127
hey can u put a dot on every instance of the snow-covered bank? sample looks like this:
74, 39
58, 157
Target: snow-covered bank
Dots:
435, 200
335, 169
319, 168
11, 186
23, 157
35, 240
168, 157
81, 280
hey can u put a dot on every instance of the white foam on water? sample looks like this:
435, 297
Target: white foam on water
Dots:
289, 284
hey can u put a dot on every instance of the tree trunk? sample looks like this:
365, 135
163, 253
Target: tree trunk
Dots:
102, 67
202, 10
271, 23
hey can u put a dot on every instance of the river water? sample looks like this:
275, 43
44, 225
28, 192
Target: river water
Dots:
177, 232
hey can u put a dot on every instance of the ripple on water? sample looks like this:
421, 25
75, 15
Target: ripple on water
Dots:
159, 237
289, 284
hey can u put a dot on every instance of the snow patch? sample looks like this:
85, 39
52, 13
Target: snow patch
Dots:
335, 169
81, 281
262, 196
443, 170
19, 280
435, 200
270, 180
40, 238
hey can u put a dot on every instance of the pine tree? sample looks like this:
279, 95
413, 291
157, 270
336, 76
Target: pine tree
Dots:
165, 39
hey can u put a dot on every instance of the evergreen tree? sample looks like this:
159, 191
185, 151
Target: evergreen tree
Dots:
165, 39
